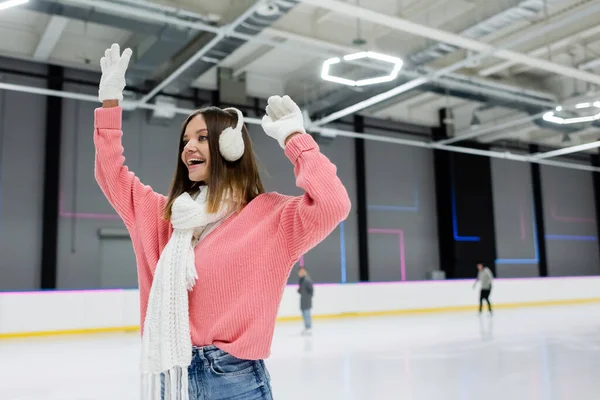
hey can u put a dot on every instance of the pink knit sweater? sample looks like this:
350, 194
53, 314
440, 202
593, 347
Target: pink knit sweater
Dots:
244, 263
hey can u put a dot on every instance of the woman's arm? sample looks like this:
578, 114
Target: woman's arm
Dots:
308, 219
124, 191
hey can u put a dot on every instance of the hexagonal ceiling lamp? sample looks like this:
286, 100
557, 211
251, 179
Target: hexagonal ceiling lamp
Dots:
396, 65
591, 116
5, 5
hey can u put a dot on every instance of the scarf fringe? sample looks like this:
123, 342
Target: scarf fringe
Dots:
172, 384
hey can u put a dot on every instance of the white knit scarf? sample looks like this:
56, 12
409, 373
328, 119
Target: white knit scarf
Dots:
166, 339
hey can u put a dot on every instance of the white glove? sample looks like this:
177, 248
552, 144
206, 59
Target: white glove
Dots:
113, 66
283, 119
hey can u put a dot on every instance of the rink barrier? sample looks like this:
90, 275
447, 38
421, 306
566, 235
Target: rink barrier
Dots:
53, 313
440, 310
136, 328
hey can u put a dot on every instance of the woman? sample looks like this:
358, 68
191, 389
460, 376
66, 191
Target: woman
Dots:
214, 256
306, 290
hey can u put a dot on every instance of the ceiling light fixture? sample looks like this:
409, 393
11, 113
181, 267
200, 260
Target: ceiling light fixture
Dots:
550, 116
395, 61
12, 3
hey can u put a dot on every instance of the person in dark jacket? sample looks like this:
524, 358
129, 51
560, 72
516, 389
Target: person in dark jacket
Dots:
305, 288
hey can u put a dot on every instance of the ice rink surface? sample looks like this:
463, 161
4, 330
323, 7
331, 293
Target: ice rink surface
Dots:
521, 354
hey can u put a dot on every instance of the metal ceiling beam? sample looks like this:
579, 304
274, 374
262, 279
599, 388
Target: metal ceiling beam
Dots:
465, 150
511, 122
50, 38
543, 51
407, 26
323, 130
566, 150
181, 69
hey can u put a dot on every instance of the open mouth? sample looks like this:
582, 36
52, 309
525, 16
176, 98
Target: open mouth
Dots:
192, 162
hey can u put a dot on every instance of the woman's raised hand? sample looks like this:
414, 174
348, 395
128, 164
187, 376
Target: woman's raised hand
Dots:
283, 119
113, 66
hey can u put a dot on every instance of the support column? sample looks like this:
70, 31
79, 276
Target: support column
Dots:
595, 158
51, 180
443, 199
464, 198
361, 201
538, 204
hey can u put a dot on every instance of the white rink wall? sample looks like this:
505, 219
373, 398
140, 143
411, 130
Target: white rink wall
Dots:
24, 313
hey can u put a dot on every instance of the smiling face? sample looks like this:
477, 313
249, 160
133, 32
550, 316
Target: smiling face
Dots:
196, 151
199, 160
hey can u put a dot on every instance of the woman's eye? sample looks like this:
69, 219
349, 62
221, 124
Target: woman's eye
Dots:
202, 138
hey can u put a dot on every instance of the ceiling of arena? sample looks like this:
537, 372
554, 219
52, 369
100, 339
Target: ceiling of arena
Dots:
496, 66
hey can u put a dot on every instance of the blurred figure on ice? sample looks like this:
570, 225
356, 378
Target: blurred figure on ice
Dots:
305, 288
484, 277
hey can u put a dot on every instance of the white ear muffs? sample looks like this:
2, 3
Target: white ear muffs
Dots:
231, 141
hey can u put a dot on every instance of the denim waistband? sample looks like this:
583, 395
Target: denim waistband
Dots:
210, 352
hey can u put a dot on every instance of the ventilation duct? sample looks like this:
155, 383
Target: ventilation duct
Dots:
526, 10
253, 25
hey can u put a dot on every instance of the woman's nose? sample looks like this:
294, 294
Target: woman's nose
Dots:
189, 146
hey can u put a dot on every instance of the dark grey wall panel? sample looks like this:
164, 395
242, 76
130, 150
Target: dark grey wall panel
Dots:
570, 222
22, 127
401, 216
516, 244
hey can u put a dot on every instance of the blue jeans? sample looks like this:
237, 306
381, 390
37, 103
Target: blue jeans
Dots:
307, 319
217, 375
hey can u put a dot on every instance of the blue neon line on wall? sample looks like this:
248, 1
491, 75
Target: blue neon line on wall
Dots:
414, 208
572, 237
343, 252
457, 237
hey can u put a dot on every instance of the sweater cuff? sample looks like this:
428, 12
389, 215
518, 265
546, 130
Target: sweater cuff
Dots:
299, 144
108, 118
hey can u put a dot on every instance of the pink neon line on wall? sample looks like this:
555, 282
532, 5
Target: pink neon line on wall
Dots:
523, 223
400, 234
66, 214
556, 217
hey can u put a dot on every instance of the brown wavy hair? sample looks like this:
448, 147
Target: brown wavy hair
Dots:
240, 178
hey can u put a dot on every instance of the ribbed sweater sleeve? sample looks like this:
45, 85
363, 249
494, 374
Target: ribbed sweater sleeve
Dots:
122, 188
308, 219
137, 204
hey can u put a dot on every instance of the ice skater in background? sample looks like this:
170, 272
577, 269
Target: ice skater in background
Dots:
306, 290
485, 278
